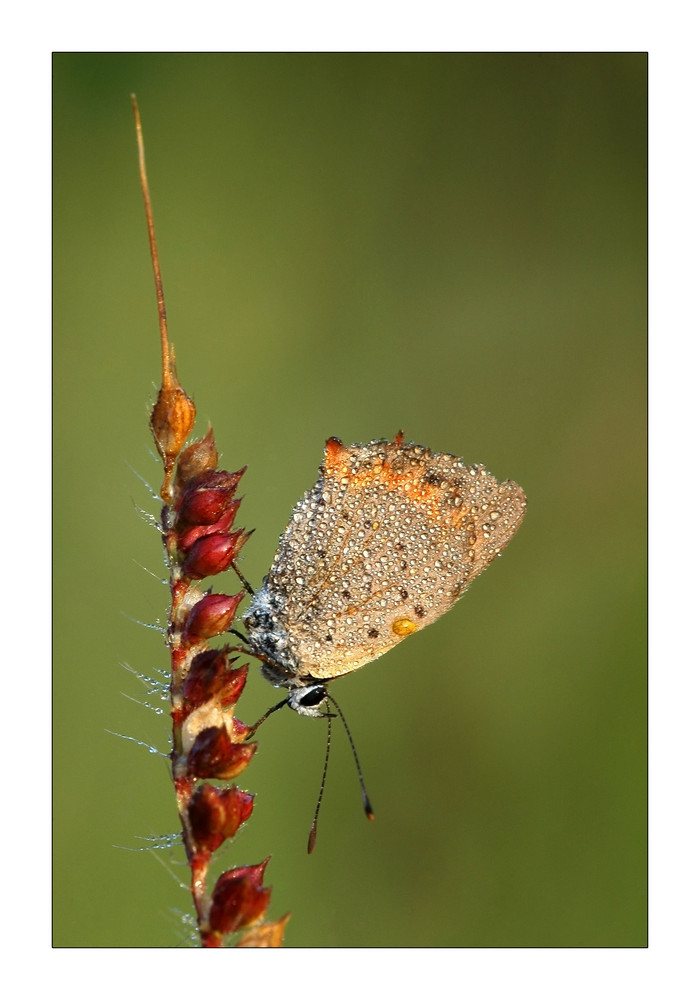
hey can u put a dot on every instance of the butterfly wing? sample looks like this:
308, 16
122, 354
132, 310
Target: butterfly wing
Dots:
387, 540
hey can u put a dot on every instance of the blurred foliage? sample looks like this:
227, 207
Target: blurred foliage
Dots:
454, 245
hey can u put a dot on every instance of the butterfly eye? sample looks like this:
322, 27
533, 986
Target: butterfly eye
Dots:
312, 696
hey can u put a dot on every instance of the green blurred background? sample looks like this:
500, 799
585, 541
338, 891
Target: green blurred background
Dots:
454, 245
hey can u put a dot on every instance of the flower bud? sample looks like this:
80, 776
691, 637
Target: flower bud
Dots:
199, 457
213, 755
206, 506
238, 899
211, 616
211, 554
216, 814
172, 419
210, 677
187, 538
204, 495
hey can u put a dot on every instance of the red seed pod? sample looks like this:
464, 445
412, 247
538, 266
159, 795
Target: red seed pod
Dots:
211, 554
216, 814
211, 616
213, 755
239, 899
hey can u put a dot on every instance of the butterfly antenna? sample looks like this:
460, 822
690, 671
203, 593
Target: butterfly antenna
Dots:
366, 804
314, 826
